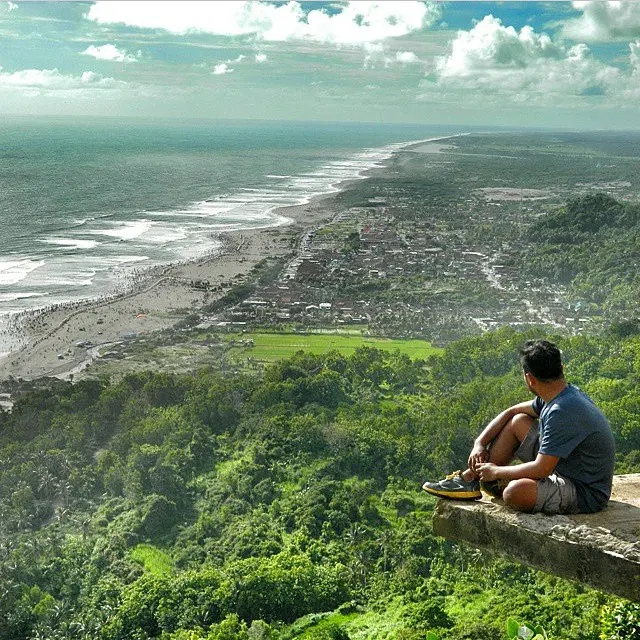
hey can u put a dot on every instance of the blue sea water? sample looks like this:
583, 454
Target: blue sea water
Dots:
83, 203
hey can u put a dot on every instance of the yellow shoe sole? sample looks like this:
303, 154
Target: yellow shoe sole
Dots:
457, 495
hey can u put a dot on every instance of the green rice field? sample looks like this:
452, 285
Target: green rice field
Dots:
270, 347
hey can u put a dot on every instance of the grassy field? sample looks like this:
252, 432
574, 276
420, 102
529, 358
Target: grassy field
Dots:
243, 351
152, 559
270, 347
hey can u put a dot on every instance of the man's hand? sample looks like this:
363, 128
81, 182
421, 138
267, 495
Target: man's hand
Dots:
477, 456
488, 471
542, 467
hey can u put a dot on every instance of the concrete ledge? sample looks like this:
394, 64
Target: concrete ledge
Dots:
601, 550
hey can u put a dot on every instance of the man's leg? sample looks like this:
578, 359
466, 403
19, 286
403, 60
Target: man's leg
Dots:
552, 495
521, 494
465, 485
502, 450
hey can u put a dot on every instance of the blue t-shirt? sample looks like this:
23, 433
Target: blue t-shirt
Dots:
573, 429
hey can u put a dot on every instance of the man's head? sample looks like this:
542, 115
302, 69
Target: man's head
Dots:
542, 360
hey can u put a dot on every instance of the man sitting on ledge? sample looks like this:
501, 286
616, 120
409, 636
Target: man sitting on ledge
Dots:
563, 440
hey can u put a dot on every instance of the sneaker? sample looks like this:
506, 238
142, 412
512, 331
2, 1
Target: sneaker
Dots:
494, 488
454, 487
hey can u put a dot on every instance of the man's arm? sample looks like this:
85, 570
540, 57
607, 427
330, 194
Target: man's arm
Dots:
479, 454
542, 467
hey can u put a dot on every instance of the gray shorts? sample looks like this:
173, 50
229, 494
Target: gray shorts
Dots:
556, 494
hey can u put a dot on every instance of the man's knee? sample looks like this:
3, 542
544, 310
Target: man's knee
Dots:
520, 425
521, 494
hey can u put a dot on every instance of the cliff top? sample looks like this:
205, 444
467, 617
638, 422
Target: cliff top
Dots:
601, 549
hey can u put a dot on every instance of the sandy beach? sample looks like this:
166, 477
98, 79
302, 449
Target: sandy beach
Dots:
63, 341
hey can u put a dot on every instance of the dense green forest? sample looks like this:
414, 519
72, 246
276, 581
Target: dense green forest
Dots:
591, 244
281, 505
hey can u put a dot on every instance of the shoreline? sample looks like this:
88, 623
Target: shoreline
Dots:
62, 341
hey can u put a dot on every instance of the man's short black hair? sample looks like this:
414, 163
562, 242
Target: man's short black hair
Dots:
542, 360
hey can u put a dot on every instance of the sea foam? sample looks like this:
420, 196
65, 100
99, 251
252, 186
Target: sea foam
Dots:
14, 271
127, 230
71, 243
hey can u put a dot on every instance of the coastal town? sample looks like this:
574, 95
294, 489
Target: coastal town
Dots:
388, 269
433, 247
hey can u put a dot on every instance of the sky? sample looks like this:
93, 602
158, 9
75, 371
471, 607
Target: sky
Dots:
543, 64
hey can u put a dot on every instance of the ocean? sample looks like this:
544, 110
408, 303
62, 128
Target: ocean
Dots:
85, 204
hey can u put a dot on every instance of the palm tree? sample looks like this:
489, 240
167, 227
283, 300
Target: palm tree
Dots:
385, 541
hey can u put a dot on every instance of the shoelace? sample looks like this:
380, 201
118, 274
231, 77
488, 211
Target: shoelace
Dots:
453, 475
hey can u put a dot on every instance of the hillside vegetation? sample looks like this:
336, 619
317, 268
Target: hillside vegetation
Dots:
286, 503
591, 244
282, 505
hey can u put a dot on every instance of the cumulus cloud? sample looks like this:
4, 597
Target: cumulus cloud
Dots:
603, 21
490, 45
109, 52
406, 57
221, 69
351, 23
634, 56
522, 66
53, 80
377, 55
632, 89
